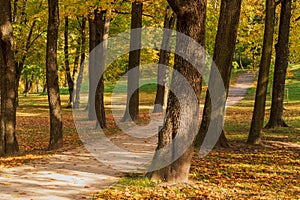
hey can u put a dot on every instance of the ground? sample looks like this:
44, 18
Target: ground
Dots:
241, 171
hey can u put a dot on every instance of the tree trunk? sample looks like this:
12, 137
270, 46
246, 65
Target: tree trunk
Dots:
164, 57
132, 107
281, 65
223, 55
97, 28
263, 77
8, 140
15, 11
82, 64
182, 118
76, 61
67, 63
27, 86
92, 70
56, 136
96, 66
103, 29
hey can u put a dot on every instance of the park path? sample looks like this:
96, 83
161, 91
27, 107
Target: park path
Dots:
76, 174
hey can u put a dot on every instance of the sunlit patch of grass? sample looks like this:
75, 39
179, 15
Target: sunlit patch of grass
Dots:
267, 171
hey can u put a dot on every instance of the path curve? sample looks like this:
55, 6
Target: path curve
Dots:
76, 174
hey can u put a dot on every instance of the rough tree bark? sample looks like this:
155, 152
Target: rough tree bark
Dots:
263, 77
164, 57
8, 140
82, 64
56, 136
223, 55
191, 17
281, 65
132, 107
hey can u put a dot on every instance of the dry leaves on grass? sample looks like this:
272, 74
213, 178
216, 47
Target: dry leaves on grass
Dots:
239, 172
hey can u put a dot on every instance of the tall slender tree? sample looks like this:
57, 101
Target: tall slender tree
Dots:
164, 57
82, 62
191, 17
97, 22
132, 108
8, 140
31, 39
56, 135
70, 80
103, 27
92, 67
281, 65
263, 77
223, 55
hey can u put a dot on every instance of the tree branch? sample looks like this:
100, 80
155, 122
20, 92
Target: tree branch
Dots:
128, 13
121, 12
32, 42
175, 5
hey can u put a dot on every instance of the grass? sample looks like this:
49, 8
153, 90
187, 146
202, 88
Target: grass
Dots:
32, 130
268, 171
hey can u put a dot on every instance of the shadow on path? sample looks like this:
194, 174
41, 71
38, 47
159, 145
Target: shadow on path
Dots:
76, 174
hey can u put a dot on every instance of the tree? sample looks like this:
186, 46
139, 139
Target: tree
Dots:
263, 77
99, 24
56, 135
191, 16
132, 108
27, 22
67, 62
223, 56
97, 29
249, 46
82, 60
281, 65
103, 27
164, 57
8, 140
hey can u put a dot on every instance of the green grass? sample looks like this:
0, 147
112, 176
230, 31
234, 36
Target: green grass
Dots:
122, 85
62, 91
269, 171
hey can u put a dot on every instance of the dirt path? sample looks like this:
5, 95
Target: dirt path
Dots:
76, 174
239, 89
